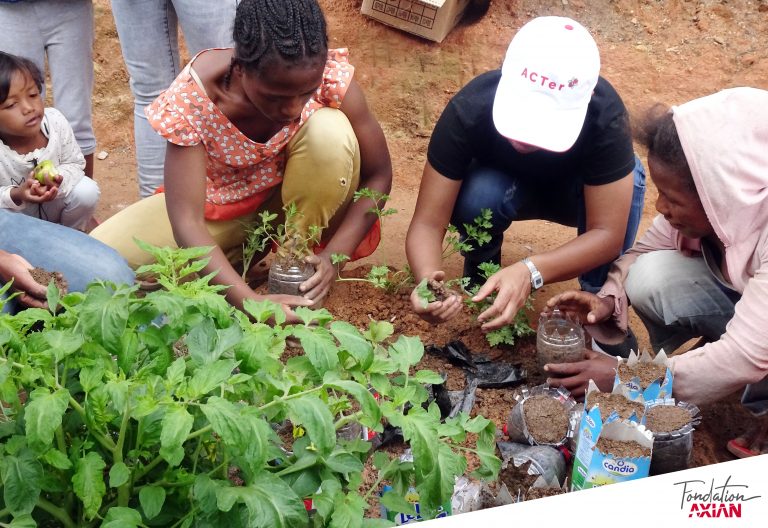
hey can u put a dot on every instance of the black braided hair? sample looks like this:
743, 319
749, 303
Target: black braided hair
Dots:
290, 29
13, 64
657, 132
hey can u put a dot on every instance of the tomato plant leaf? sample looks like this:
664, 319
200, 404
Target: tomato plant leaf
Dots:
121, 517
368, 404
118, 475
428, 377
344, 463
271, 503
104, 317
348, 511
152, 499
208, 377
319, 347
245, 434
312, 413
88, 483
353, 342
21, 481
177, 423
23, 521
406, 351
57, 459
43, 416
396, 502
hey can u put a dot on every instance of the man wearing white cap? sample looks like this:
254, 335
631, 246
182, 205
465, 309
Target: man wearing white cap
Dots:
545, 137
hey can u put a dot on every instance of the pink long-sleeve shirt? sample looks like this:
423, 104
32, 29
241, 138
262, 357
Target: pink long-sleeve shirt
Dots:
725, 140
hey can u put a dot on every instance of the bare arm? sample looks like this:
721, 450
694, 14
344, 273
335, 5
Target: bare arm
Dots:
424, 242
375, 171
375, 174
185, 201
607, 209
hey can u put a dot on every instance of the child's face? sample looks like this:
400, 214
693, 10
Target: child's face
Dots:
22, 111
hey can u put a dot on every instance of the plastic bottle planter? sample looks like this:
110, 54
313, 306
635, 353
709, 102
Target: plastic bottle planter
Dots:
559, 339
672, 438
548, 462
285, 278
542, 416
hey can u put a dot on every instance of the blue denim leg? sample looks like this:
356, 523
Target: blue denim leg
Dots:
81, 258
148, 31
593, 280
486, 188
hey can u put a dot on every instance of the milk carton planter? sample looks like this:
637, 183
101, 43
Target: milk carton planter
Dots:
645, 375
542, 416
672, 426
606, 453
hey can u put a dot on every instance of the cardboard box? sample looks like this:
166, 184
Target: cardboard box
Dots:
431, 19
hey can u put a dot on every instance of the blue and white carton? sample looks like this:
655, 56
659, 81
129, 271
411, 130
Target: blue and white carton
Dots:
592, 467
658, 389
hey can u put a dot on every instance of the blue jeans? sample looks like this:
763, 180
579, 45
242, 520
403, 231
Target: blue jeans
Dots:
149, 39
62, 31
511, 199
678, 299
80, 258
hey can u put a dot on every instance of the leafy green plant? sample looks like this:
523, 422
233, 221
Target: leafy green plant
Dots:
476, 235
167, 410
293, 245
392, 281
508, 334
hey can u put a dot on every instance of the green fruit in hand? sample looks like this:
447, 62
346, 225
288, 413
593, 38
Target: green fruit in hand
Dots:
45, 168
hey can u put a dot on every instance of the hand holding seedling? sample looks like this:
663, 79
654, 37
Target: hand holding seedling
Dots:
585, 306
512, 286
597, 366
15, 267
429, 307
319, 284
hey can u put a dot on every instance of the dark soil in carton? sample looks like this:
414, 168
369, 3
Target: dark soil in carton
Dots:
540, 493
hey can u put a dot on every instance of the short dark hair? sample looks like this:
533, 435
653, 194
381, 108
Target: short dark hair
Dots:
656, 131
10, 65
289, 29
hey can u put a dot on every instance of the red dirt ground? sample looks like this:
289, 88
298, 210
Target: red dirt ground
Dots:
652, 52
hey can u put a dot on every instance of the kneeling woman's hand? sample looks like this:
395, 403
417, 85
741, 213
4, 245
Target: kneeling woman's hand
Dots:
587, 307
319, 285
596, 366
438, 311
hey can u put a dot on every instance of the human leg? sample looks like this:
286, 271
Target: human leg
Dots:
147, 220
80, 204
69, 47
206, 24
593, 280
80, 258
148, 33
501, 193
322, 170
678, 299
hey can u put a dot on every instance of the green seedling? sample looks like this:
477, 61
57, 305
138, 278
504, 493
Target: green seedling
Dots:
293, 244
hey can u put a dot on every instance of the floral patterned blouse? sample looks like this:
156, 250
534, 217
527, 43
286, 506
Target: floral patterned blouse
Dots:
240, 171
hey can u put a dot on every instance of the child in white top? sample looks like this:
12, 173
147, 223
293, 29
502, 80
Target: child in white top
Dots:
30, 134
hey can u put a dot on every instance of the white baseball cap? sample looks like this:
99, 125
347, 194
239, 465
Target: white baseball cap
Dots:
550, 70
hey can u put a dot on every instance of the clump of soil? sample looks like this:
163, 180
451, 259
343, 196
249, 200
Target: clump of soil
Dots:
622, 448
439, 289
545, 418
540, 493
647, 372
517, 478
609, 402
45, 277
667, 418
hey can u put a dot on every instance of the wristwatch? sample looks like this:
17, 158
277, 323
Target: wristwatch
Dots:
537, 281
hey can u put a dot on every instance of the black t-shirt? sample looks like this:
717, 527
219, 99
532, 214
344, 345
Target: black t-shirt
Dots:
465, 134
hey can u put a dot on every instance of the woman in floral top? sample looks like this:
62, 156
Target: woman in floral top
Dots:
277, 119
